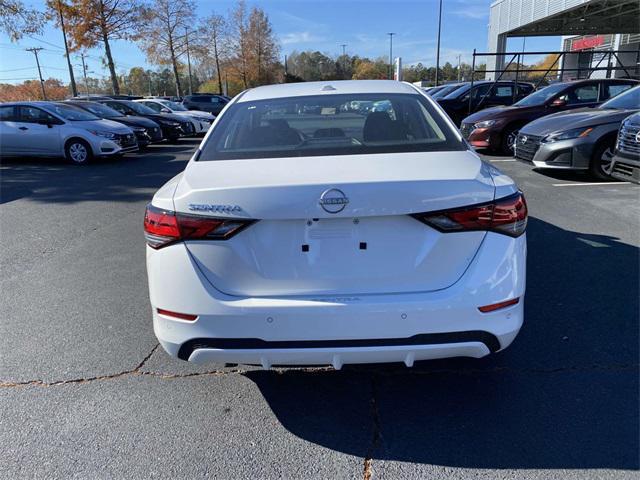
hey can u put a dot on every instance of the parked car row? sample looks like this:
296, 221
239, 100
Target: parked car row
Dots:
568, 125
81, 130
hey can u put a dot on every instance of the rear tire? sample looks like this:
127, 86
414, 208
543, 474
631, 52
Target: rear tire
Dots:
509, 137
78, 152
601, 160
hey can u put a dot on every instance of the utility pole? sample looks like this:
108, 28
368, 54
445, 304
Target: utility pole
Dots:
72, 79
391, 54
438, 45
84, 72
35, 51
149, 77
459, 68
344, 57
186, 34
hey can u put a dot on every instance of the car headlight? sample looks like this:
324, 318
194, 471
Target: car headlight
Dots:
170, 124
484, 124
567, 134
196, 118
100, 133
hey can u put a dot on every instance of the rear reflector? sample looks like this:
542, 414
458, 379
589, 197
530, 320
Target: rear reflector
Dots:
497, 306
507, 215
163, 227
181, 316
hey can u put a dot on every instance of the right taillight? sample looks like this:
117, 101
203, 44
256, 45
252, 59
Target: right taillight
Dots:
163, 227
507, 215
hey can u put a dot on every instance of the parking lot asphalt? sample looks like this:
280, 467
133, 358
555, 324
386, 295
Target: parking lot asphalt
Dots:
85, 391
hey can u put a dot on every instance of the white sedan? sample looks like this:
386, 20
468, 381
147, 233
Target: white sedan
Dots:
201, 121
306, 236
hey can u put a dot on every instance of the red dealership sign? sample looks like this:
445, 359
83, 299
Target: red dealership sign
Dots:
587, 42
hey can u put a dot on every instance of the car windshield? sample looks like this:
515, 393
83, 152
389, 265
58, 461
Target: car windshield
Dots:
71, 113
173, 106
330, 125
448, 90
541, 96
139, 108
101, 110
627, 100
459, 90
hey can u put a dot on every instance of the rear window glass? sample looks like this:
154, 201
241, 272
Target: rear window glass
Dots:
330, 125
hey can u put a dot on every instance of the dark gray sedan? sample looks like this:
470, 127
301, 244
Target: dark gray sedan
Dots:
577, 140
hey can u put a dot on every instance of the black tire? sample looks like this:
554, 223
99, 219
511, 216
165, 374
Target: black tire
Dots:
78, 152
509, 136
601, 159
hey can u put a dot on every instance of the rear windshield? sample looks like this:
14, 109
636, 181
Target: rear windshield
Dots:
330, 125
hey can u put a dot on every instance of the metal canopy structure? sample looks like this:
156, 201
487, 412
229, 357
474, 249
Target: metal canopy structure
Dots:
594, 17
521, 18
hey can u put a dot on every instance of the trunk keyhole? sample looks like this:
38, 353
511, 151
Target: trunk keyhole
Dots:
363, 245
305, 248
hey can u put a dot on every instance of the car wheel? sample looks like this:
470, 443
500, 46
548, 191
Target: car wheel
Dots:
509, 137
78, 152
600, 165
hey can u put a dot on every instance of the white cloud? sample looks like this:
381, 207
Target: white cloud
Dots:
299, 37
475, 12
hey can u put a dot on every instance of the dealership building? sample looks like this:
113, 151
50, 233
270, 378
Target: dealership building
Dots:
588, 28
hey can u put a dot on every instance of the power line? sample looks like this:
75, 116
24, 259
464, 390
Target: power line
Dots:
19, 78
45, 42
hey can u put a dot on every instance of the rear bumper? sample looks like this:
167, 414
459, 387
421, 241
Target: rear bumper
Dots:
339, 330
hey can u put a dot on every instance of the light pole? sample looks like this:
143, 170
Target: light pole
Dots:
438, 44
344, 58
391, 34
459, 68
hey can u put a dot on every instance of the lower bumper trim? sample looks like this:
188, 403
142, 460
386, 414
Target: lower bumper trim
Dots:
488, 339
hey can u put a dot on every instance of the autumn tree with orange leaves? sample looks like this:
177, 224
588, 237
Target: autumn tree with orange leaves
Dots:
95, 22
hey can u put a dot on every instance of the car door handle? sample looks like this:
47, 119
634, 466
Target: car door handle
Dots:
23, 128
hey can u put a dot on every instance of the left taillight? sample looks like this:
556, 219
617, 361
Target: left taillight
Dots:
164, 227
507, 215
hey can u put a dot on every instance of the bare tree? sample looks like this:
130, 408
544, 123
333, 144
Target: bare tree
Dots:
163, 35
263, 48
239, 25
92, 22
212, 36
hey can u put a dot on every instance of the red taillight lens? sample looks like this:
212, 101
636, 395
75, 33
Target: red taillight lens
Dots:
498, 306
507, 215
162, 227
181, 316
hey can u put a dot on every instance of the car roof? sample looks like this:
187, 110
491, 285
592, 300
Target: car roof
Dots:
35, 103
330, 87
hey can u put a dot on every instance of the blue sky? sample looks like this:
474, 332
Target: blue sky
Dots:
305, 24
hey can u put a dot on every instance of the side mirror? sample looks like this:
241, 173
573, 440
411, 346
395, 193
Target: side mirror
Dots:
559, 102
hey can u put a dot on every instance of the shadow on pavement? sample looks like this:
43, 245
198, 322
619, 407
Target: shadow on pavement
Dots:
564, 395
123, 179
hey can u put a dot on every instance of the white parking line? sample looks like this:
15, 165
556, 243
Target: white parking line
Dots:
504, 160
589, 184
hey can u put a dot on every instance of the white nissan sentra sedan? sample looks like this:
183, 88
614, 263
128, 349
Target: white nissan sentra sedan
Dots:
304, 233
